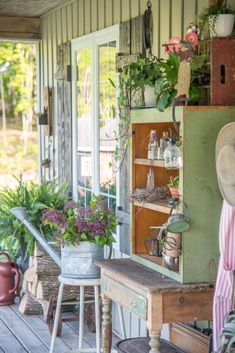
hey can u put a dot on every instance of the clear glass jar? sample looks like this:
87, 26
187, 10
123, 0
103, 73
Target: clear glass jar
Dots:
172, 156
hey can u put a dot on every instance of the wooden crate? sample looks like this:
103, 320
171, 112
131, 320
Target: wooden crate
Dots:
223, 71
189, 339
199, 127
217, 79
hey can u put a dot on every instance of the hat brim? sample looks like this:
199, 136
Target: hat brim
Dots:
226, 136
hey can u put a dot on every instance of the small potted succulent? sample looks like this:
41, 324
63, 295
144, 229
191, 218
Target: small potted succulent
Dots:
173, 186
218, 19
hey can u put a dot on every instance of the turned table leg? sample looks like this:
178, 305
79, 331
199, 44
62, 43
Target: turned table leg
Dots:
106, 324
154, 341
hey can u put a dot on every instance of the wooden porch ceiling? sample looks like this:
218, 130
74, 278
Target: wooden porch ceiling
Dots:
28, 8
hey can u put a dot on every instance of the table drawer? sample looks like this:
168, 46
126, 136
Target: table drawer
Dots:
124, 296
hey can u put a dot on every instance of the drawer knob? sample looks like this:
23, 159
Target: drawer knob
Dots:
181, 300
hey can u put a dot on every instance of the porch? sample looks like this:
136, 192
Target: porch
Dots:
29, 334
81, 43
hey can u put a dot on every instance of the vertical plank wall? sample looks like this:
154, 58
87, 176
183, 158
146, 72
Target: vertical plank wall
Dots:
80, 17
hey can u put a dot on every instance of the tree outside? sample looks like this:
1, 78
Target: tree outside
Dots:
18, 126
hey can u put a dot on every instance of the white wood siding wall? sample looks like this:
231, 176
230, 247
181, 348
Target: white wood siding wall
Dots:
80, 17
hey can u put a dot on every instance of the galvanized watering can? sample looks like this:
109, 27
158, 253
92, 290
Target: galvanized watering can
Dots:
75, 262
178, 222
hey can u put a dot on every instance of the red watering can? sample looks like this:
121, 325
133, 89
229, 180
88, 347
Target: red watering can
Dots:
9, 279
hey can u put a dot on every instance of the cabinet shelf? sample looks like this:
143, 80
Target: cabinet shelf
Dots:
150, 162
160, 207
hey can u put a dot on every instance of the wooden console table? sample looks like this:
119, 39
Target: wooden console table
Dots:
151, 296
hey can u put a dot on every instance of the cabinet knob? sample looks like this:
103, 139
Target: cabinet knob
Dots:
133, 304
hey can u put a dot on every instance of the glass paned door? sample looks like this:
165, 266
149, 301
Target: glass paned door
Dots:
84, 124
107, 121
94, 98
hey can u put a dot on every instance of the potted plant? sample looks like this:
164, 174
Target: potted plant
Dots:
165, 85
218, 18
173, 186
82, 233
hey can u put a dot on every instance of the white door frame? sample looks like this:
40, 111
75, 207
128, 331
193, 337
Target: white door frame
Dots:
92, 41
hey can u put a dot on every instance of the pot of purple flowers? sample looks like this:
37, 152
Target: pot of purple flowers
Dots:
82, 232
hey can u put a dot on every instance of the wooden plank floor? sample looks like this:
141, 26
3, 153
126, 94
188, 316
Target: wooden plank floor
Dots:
29, 334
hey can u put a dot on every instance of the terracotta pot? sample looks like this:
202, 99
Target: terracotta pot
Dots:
174, 192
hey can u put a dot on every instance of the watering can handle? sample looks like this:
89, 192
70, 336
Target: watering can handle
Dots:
177, 205
17, 279
6, 255
110, 252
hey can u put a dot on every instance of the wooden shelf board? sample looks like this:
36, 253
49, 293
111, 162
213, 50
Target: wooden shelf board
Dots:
161, 207
155, 259
150, 162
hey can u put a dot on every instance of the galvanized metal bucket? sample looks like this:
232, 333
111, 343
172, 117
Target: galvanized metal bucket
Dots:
79, 261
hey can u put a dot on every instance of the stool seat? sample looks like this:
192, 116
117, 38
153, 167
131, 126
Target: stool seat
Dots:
79, 281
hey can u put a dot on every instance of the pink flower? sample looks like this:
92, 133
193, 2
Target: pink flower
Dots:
192, 38
174, 45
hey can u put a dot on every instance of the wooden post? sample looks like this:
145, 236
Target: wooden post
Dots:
154, 341
106, 324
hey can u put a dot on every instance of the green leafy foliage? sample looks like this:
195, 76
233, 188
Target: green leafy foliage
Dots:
20, 77
132, 80
34, 198
165, 85
173, 182
95, 223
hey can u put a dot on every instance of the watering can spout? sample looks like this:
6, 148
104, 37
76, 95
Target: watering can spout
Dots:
20, 213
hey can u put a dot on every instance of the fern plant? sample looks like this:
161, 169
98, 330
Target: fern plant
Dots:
34, 197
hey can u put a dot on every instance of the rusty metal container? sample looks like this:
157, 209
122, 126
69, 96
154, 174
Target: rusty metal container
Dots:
9, 279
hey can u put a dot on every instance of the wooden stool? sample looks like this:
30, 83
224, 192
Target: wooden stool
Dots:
81, 283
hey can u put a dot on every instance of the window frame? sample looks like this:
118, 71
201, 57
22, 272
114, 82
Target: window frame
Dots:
92, 41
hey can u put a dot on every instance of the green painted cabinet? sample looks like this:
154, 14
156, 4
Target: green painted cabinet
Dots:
199, 127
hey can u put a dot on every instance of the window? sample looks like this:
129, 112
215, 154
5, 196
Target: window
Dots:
94, 62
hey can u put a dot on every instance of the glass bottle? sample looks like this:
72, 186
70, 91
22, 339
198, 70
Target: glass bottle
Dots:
164, 140
172, 156
150, 180
152, 146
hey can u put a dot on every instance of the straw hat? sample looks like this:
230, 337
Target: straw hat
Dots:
225, 162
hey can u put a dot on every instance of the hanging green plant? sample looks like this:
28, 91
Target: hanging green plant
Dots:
162, 74
132, 80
